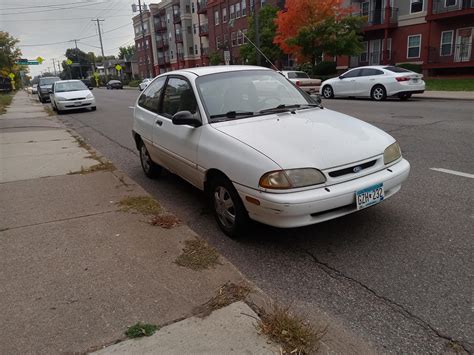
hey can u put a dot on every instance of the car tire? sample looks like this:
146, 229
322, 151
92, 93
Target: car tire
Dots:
93, 108
328, 92
404, 97
378, 93
229, 210
150, 168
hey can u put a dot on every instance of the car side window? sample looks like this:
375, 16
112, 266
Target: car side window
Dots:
178, 96
150, 98
352, 74
371, 72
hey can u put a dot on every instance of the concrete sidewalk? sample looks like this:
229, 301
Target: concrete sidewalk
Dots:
76, 270
446, 95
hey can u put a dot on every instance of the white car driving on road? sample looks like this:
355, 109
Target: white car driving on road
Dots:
71, 95
377, 82
261, 148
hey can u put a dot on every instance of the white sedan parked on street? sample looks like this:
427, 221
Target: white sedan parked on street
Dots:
377, 82
71, 95
263, 149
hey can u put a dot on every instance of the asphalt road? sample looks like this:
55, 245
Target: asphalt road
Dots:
398, 274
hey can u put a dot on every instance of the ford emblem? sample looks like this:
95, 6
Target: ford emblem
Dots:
357, 169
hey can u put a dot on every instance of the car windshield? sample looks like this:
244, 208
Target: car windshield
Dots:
70, 86
238, 94
397, 70
297, 75
48, 81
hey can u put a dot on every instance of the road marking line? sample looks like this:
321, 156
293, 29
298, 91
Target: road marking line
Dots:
453, 172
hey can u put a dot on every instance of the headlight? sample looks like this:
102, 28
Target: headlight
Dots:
292, 178
89, 96
60, 98
391, 153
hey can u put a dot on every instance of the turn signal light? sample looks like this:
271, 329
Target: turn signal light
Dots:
403, 78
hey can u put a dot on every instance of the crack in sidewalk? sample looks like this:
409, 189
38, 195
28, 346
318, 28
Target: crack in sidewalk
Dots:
329, 270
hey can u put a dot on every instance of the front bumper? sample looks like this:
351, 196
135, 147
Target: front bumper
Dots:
296, 209
43, 95
74, 105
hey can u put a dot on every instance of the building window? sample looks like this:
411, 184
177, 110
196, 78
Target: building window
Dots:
237, 10
216, 17
388, 54
365, 53
448, 3
172, 55
195, 28
188, 9
233, 37
239, 38
364, 9
192, 7
190, 50
414, 46
224, 15
244, 36
446, 46
232, 12
226, 40
218, 42
416, 6
196, 49
168, 17
189, 30
244, 8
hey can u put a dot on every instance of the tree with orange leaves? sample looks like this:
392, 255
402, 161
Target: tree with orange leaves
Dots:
311, 28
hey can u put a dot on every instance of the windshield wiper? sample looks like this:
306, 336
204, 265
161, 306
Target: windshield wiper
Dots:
233, 114
280, 108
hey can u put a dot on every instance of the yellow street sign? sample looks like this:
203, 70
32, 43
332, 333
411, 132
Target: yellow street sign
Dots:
40, 60
68, 61
11, 76
118, 67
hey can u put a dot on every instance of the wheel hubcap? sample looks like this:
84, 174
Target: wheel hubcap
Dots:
378, 93
327, 92
224, 207
146, 161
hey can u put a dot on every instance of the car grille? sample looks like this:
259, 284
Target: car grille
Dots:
78, 98
350, 170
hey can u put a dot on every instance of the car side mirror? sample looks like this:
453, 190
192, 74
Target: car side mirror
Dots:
90, 88
50, 91
183, 118
316, 98
341, 77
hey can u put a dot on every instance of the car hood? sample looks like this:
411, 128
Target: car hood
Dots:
309, 138
68, 95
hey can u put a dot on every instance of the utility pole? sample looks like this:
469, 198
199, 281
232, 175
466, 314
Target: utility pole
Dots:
100, 35
54, 67
77, 57
257, 33
144, 40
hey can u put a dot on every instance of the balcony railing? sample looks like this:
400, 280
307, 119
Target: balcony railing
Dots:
439, 6
373, 58
377, 17
201, 6
178, 37
160, 26
162, 42
204, 29
459, 53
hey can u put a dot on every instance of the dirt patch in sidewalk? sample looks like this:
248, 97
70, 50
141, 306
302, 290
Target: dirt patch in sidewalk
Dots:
140, 204
198, 255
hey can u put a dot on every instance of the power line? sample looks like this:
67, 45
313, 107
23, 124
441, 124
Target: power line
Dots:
51, 5
56, 9
61, 19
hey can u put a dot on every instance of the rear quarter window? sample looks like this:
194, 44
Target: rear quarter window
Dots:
397, 70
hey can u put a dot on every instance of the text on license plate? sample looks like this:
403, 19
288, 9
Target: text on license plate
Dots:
77, 103
369, 196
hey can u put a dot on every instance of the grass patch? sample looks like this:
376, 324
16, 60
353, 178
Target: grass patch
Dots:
226, 295
5, 100
166, 221
49, 111
293, 334
102, 166
439, 84
140, 204
141, 330
198, 255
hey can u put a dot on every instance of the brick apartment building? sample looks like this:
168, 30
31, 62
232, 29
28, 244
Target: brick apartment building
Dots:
437, 34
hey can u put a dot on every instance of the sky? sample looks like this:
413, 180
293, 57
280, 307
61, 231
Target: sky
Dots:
41, 24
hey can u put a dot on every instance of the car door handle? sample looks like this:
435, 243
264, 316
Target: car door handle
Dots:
372, 79
159, 122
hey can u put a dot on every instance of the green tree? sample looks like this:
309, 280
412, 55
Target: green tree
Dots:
331, 37
126, 52
215, 58
9, 55
81, 64
267, 30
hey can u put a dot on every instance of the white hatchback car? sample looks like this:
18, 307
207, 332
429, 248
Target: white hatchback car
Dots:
376, 82
262, 148
71, 95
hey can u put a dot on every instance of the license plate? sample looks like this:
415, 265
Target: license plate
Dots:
77, 103
369, 196
415, 80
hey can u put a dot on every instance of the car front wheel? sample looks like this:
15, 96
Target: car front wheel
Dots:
328, 92
150, 169
229, 211
378, 93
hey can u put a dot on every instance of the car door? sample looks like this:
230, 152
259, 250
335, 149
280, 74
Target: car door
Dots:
146, 115
52, 95
345, 86
177, 144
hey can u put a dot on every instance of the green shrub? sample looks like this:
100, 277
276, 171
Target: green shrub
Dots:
325, 68
134, 83
410, 66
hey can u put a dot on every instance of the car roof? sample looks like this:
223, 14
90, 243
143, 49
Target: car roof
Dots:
372, 67
68, 81
50, 77
201, 71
